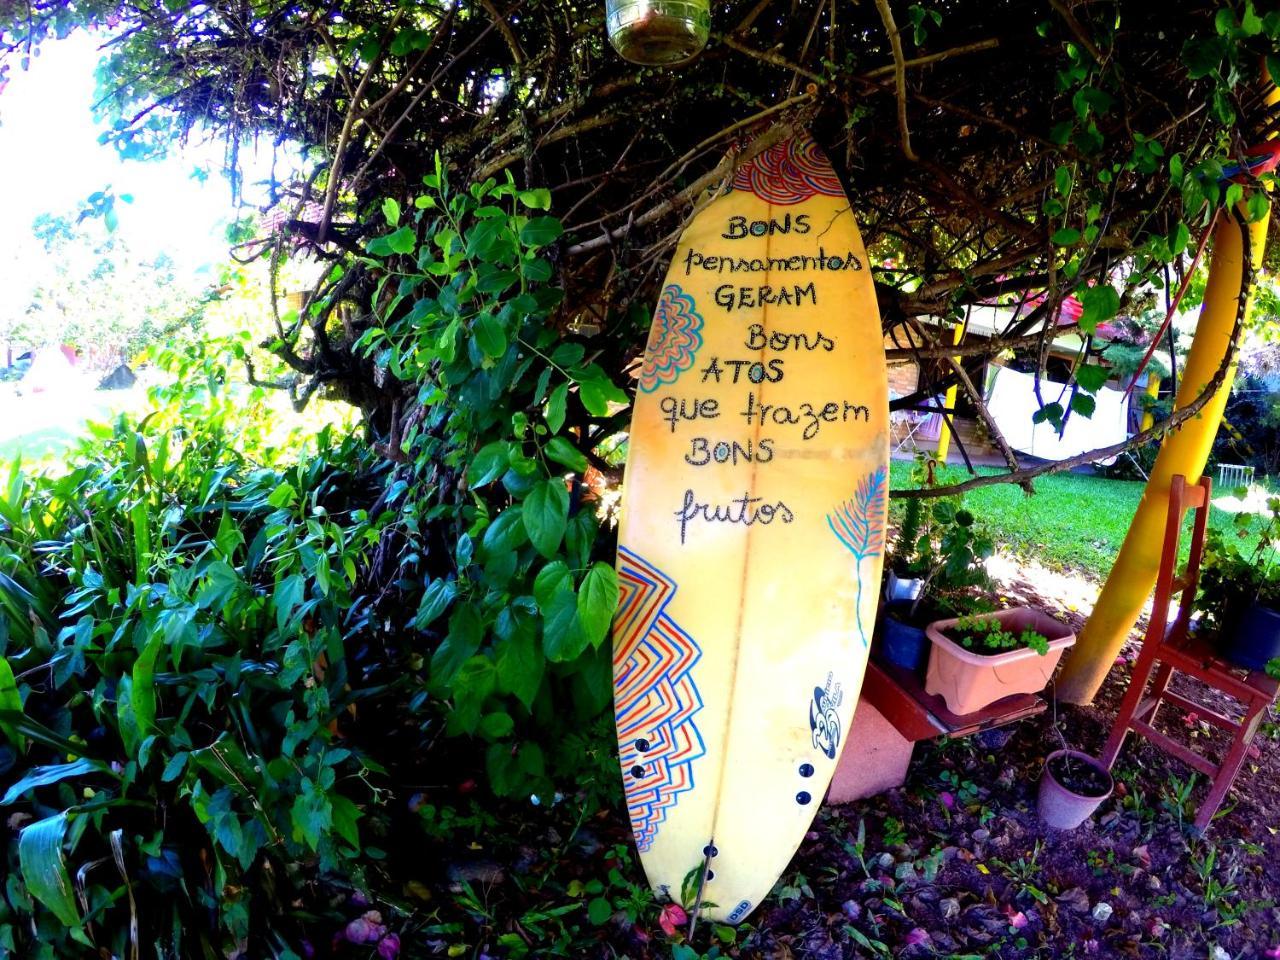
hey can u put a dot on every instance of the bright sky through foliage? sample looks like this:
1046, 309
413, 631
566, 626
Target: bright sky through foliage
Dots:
51, 161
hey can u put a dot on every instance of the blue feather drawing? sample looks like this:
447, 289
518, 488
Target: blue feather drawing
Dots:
859, 525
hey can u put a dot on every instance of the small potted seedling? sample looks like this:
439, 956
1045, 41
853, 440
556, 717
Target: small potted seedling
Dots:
1072, 786
979, 659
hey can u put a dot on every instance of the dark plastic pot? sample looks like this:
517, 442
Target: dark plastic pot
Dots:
903, 645
1062, 807
1255, 639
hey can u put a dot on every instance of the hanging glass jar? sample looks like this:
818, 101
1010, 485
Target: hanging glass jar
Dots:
658, 33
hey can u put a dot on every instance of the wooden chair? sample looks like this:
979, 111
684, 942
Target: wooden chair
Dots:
1170, 646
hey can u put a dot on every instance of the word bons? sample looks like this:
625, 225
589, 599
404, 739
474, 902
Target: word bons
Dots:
740, 227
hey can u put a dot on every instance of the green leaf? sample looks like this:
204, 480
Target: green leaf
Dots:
1256, 206
490, 336
311, 815
541, 231
1083, 404
563, 452
552, 579
466, 630
403, 240
563, 638
1100, 305
598, 391
489, 463
288, 598
597, 601
53, 773
556, 407
144, 686
520, 667
546, 511
435, 601
1052, 412
10, 699
599, 911
539, 199
495, 726
391, 210
44, 867
33, 730
1202, 55
1091, 377
505, 533
282, 496
1066, 237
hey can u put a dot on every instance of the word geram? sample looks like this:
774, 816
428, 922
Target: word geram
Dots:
733, 297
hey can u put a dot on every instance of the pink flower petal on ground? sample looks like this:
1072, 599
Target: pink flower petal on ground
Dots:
1273, 953
947, 799
918, 935
360, 930
1191, 719
672, 918
1121, 661
1017, 919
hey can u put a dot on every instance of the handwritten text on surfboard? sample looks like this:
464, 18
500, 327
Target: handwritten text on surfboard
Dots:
745, 427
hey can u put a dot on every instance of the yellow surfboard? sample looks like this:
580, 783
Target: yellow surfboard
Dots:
752, 532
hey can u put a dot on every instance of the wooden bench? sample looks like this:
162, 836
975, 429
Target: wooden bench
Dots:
894, 713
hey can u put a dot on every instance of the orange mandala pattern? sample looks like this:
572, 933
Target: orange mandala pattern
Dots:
673, 341
788, 173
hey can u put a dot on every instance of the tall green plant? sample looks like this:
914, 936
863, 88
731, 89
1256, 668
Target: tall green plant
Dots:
505, 412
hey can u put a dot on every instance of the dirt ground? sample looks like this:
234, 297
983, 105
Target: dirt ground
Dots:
955, 863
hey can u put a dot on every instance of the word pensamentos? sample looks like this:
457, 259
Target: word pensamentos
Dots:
800, 261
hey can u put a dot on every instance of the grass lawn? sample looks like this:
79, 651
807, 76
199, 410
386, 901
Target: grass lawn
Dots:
1073, 521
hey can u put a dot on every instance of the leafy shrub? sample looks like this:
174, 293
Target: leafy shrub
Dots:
172, 643
219, 661
508, 413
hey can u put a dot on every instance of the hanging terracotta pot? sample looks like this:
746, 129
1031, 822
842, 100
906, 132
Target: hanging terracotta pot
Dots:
658, 33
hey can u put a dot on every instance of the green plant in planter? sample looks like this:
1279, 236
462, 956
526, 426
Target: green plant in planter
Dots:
987, 636
1236, 572
949, 555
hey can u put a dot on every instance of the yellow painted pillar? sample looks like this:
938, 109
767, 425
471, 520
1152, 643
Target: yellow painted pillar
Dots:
1152, 391
1184, 451
944, 436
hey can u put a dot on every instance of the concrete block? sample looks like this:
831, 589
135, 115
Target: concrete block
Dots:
875, 758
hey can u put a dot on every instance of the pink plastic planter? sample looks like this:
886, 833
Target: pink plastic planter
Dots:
970, 681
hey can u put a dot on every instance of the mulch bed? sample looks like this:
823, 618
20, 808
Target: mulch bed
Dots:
953, 864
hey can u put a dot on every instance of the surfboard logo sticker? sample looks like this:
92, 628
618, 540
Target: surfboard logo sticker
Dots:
789, 172
673, 341
859, 525
655, 696
824, 722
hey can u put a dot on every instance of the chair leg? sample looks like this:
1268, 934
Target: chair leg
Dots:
1231, 764
1128, 706
1158, 687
